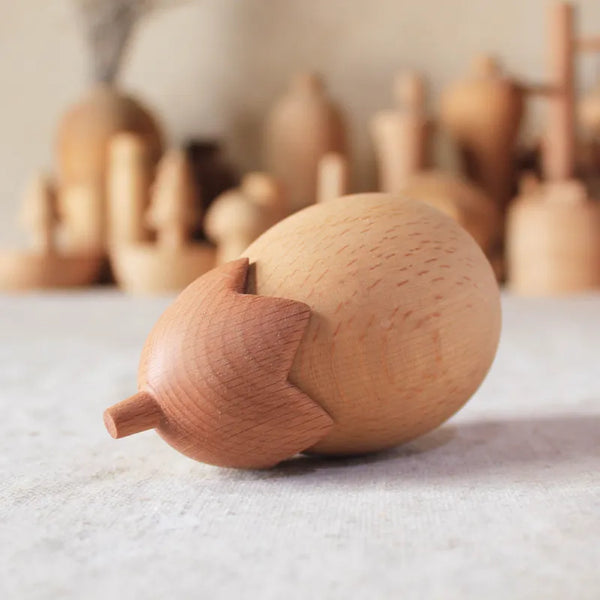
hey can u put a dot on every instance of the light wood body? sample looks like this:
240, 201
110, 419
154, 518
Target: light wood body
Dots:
333, 177
383, 311
401, 136
483, 115
302, 126
553, 241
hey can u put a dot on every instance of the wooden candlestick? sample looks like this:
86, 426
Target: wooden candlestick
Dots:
483, 115
173, 261
40, 214
130, 174
352, 326
333, 177
239, 216
303, 126
401, 136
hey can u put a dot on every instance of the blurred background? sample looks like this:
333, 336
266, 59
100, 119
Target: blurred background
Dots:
212, 68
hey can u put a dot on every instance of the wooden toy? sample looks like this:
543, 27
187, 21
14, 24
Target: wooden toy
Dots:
84, 134
303, 126
553, 229
483, 115
45, 265
173, 261
349, 327
401, 136
465, 203
333, 177
130, 174
239, 216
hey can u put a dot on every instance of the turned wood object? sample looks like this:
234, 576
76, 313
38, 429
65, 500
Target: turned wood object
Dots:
84, 134
483, 115
349, 327
130, 174
173, 261
333, 177
237, 217
303, 126
401, 136
46, 265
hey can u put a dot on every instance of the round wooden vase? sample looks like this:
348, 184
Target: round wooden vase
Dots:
83, 138
349, 327
553, 241
302, 127
483, 115
472, 208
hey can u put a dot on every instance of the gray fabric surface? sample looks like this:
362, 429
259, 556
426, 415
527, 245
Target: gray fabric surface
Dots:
501, 502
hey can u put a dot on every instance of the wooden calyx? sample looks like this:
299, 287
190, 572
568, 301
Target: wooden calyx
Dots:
130, 173
237, 217
228, 402
361, 323
401, 136
483, 114
333, 177
302, 126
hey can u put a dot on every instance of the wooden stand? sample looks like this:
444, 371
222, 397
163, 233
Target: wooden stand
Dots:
553, 243
173, 261
45, 266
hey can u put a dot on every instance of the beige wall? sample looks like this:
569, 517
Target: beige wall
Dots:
212, 67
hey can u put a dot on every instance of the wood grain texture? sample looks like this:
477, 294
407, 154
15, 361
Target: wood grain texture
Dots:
405, 314
217, 364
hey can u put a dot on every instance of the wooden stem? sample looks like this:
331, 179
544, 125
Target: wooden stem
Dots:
138, 413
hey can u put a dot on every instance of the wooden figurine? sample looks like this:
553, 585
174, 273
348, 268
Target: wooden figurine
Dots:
130, 174
303, 126
483, 115
401, 136
349, 327
553, 229
333, 177
237, 217
46, 265
173, 261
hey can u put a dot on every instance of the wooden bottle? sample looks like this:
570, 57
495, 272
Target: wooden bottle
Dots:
483, 115
333, 177
352, 326
239, 216
130, 174
173, 261
303, 126
45, 265
401, 136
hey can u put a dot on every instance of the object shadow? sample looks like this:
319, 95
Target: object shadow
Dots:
487, 447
